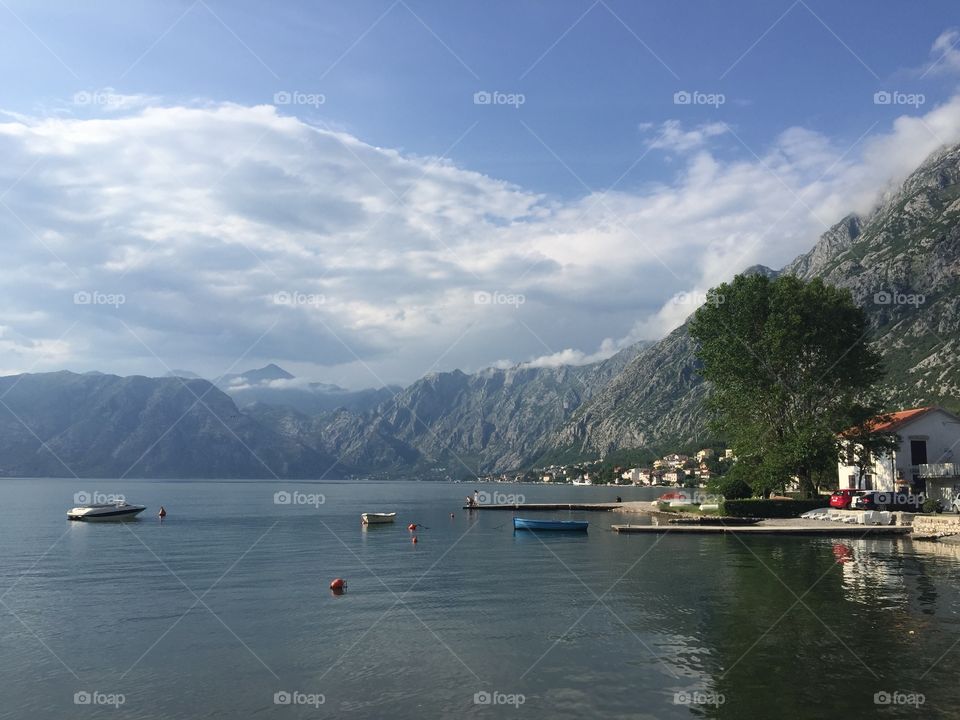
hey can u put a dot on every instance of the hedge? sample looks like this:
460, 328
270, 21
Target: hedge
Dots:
758, 508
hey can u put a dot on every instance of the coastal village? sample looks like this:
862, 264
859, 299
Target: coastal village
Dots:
671, 470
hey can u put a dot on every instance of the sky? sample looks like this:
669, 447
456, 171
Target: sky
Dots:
365, 192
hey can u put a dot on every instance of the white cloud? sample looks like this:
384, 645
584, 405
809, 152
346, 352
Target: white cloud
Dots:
240, 236
571, 356
945, 52
672, 136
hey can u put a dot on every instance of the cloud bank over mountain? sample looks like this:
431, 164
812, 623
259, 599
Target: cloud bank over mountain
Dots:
145, 236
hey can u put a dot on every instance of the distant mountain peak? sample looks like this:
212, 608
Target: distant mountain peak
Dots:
271, 372
182, 374
256, 376
761, 270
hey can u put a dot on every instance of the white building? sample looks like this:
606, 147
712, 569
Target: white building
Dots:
674, 460
637, 476
674, 477
704, 454
928, 440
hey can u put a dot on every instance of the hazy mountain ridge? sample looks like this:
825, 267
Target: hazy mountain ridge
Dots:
96, 425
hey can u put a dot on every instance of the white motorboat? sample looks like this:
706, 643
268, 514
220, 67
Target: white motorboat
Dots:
105, 512
377, 518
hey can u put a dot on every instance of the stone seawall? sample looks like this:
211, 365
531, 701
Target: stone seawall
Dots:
934, 526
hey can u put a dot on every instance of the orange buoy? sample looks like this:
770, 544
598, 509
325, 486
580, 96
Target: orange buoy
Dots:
414, 539
338, 585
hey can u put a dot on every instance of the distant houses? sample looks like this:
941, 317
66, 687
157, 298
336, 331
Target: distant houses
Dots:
674, 477
675, 461
928, 439
672, 469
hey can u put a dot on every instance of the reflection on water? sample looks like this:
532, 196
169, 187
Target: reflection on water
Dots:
582, 625
847, 627
870, 576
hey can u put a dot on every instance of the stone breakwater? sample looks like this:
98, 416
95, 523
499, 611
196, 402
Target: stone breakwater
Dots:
935, 526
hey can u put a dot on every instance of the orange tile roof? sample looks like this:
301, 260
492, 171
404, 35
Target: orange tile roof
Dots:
892, 421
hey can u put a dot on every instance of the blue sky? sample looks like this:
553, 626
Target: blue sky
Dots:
403, 75
409, 198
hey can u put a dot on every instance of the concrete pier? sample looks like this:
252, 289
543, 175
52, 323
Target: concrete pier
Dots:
819, 529
549, 507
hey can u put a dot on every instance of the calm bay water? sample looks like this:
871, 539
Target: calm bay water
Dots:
226, 603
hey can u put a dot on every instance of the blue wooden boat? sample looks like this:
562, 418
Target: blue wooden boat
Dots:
527, 524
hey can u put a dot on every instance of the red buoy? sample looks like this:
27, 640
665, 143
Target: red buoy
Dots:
338, 585
163, 512
412, 526
414, 539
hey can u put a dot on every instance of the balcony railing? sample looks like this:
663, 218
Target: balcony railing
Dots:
937, 470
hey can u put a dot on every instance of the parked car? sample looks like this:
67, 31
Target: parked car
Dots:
889, 500
842, 498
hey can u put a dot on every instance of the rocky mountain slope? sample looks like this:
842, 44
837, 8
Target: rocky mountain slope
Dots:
902, 265
460, 423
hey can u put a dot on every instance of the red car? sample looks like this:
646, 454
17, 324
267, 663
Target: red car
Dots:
842, 498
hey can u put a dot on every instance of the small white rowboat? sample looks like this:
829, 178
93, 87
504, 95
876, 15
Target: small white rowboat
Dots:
377, 518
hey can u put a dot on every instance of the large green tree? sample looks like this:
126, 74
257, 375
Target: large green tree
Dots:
791, 367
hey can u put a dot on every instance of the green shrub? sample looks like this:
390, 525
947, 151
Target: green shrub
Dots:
732, 487
930, 505
773, 508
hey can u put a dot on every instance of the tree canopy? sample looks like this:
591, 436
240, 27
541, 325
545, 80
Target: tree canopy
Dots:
791, 366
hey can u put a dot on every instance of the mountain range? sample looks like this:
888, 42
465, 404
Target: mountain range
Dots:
901, 262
